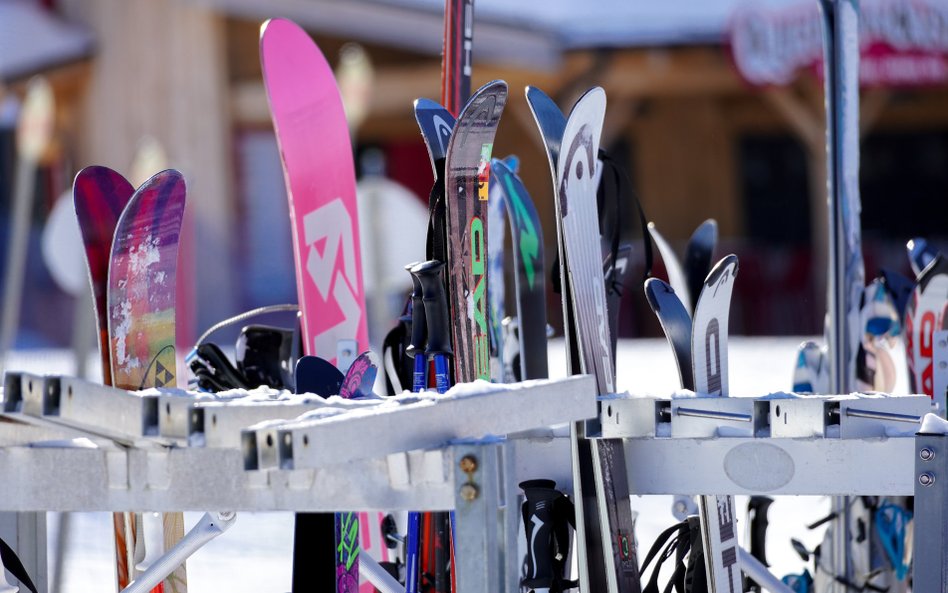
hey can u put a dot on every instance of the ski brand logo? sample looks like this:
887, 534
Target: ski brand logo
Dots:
529, 242
347, 567
483, 173
712, 352
337, 281
479, 299
442, 132
579, 183
725, 517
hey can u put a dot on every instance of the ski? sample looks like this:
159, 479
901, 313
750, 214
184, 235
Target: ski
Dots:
699, 254
676, 323
927, 312
676, 274
710, 368
529, 279
496, 290
316, 151
603, 517
141, 318
467, 172
99, 196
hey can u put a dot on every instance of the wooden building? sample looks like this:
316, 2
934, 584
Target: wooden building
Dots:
699, 140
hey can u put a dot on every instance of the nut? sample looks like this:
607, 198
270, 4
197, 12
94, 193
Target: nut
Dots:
469, 492
926, 454
468, 464
926, 479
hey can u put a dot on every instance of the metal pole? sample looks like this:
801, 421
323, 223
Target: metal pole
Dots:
930, 538
846, 276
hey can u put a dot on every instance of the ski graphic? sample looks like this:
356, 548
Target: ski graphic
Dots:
710, 368
316, 151
467, 173
100, 195
141, 313
530, 279
926, 313
576, 208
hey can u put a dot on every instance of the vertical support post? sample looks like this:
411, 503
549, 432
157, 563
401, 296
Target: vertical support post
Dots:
478, 549
846, 277
510, 496
930, 565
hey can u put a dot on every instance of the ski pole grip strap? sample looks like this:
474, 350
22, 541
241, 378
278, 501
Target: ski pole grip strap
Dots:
436, 306
417, 316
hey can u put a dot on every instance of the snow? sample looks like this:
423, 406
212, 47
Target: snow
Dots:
933, 424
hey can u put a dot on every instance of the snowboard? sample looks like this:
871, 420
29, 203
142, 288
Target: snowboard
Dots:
99, 196
316, 151
141, 317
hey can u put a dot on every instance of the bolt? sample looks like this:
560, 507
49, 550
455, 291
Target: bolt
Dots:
926, 479
468, 464
469, 492
926, 454
942, 344
942, 364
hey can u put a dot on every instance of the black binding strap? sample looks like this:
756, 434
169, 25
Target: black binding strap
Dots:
616, 187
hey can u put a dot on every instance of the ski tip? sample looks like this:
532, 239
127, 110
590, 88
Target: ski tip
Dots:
707, 232
726, 265
423, 103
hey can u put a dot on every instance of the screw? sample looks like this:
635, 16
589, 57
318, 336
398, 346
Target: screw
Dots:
926, 454
469, 492
926, 479
943, 364
942, 344
468, 464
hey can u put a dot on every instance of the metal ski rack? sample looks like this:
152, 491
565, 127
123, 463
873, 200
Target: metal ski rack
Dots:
120, 458
172, 450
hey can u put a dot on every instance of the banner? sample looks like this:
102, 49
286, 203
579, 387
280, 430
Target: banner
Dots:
902, 42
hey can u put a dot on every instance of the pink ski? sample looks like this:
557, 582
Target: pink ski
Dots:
314, 142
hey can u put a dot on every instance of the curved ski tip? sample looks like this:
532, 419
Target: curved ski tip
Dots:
707, 229
425, 103
728, 263
595, 96
653, 288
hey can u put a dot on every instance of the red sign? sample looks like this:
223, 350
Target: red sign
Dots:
902, 42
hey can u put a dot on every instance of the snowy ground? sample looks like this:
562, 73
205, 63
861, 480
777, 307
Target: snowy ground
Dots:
757, 366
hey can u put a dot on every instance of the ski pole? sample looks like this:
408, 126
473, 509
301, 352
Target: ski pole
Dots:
420, 374
436, 314
438, 349
419, 383
209, 527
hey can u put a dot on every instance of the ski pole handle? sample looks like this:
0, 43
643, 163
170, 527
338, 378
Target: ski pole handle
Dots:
436, 314
538, 522
418, 327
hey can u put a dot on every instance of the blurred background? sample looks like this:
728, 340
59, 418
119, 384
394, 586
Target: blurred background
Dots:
715, 108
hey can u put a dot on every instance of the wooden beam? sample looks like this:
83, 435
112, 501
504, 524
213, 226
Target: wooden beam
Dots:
807, 125
671, 72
